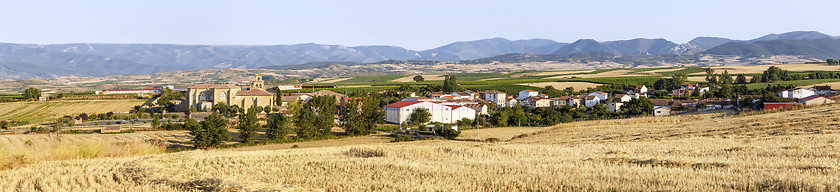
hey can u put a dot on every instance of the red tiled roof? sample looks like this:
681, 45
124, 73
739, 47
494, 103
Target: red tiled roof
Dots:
455, 106
639, 86
253, 92
401, 104
528, 90
590, 97
213, 86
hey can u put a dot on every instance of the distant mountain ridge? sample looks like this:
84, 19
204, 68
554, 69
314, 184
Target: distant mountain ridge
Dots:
91, 59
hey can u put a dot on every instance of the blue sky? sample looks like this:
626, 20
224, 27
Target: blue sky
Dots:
415, 25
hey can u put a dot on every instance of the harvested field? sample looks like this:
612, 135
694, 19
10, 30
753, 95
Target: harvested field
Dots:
369, 139
410, 78
552, 73
39, 111
753, 69
502, 133
333, 80
784, 151
563, 85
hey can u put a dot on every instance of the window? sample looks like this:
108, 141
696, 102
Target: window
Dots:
202, 97
223, 96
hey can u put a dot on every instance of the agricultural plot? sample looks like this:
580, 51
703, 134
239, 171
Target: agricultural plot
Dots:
563, 85
40, 111
410, 78
757, 69
785, 151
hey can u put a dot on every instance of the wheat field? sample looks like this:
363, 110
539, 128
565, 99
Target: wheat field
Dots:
39, 111
785, 151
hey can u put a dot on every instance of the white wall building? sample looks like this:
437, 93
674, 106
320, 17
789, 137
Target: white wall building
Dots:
601, 95
797, 93
400, 111
527, 93
591, 100
496, 97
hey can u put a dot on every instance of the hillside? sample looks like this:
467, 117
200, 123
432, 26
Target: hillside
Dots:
819, 48
784, 151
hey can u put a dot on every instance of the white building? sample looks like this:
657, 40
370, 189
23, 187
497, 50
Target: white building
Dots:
601, 95
461, 95
591, 100
400, 111
797, 93
641, 89
661, 111
496, 97
527, 93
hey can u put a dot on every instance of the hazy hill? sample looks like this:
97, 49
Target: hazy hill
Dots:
817, 48
706, 43
585, 45
795, 35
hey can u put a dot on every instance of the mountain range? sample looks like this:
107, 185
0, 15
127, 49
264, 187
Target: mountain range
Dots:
18, 61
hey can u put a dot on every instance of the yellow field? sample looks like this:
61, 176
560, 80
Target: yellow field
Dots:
785, 151
762, 68
502, 133
39, 111
562, 85
613, 73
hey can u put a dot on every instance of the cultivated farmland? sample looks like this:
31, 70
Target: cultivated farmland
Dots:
785, 151
40, 111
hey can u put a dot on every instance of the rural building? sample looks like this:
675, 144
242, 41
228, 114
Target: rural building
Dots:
129, 91
287, 87
661, 111
591, 100
496, 97
822, 90
417, 99
204, 97
461, 95
479, 108
527, 93
614, 107
400, 111
601, 95
536, 102
622, 98
574, 101
689, 86
641, 89
560, 101
797, 93
773, 105
815, 100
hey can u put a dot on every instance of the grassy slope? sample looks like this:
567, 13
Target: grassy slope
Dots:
791, 151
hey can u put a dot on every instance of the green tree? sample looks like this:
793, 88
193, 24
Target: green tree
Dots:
450, 84
680, 77
278, 97
324, 108
710, 76
741, 79
755, 79
276, 127
155, 122
419, 78
31, 93
725, 91
248, 125
305, 122
420, 116
726, 78
210, 133
639, 106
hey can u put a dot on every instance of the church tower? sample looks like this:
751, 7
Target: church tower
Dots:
258, 82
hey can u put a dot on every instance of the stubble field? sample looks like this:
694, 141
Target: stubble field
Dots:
786, 151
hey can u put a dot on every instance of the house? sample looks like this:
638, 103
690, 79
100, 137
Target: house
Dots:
640, 89
661, 111
815, 100
536, 102
400, 111
204, 97
527, 93
774, 105
614, 107
417, 99
689, 86
511, 102
591, 100
622, 98
461, 95
601, 95
822, 90
496, 97
703, 90
575, 101
665, 103
797, 93
479, 108
560, 101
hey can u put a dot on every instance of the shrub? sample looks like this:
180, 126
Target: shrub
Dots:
449, 133
492, 140
401, 138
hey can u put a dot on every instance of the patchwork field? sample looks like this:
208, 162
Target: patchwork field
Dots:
611, 73
410, 78
785, 151
563, 85
40, 111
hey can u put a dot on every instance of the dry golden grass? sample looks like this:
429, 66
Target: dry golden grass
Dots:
613, 73
502, 133
563, 85
786, 151
333, 80
28, 152
551, 73
39, 111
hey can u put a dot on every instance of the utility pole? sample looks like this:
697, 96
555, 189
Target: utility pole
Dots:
520, 125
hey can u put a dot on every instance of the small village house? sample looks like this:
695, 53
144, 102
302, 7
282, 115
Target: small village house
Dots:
815, 100
796, 93
400, 111
527, 93
661, 111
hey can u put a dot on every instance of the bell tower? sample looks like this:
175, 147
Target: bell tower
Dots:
258, 82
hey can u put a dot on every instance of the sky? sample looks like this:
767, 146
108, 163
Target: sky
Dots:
416, 25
